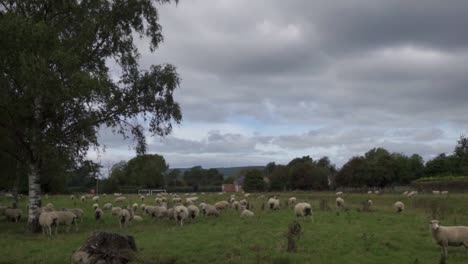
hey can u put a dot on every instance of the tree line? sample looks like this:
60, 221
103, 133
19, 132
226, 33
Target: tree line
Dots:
377, 168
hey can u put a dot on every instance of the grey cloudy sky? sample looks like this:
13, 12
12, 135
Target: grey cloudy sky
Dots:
272, 80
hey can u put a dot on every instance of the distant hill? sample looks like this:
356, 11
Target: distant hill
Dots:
226, 171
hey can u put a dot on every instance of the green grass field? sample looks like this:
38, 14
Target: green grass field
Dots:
351, 236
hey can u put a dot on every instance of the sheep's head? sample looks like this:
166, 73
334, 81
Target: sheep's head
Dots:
434, 225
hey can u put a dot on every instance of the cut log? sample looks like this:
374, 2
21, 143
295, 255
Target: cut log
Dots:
105, 248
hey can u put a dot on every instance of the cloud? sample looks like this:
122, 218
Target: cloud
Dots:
271, 80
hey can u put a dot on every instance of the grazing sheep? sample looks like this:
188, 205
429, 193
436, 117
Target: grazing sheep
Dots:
98, 214
232, 199
137, 218
170, 213
405, 193
157, 212
339, 193
210, 210
246, 213
180, 214
142, 207
435, 192
292, 201
193, 211
247, 195
446, 236
142, 198
107, 206
83, 198
191, 200
117, 194
244, 203
124, 218
95, 198
376, 192
370, 203
369, 192
13, 215
67, 218
399, 207
273, 203
303, 210
221, 205
116, 210
235, 205
444, 192
47, 220
120, 199
135, 206
339, 202
79, 213
72, 197
411, 194
50, 206
176, 200
95, 206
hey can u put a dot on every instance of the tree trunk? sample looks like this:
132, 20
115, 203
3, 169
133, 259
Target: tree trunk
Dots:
34, 198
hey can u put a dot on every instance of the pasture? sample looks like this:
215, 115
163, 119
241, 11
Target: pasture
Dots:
346, 236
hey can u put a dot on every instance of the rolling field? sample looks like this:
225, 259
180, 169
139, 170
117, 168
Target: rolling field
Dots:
348, 236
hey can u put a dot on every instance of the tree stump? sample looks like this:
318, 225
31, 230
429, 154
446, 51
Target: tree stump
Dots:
105, 248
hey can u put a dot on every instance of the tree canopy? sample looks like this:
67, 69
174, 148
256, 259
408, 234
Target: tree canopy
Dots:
57, 87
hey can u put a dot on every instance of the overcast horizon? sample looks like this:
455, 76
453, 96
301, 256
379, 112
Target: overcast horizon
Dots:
270, 81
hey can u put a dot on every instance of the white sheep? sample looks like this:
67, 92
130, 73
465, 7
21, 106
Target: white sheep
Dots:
142, 198
116, 210
137, 218
142, 207
339, 193
292, 201
303, 210
446, 236
13, 215
399, 206
120, 199
176, 200
124, 218
193, 211
369, 192
95, 206
83, 198
444, 192
435, 192
78, 212
95, 198
273, 203
339, 202
98, 214
135, 206
235, 205
405, 193
72, 197
221, 205
246, 213
67, 218
180, 214
376, 192
369, 203
47, 220
209, 210
107, 206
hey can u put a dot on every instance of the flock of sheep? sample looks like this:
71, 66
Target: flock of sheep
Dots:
186, 210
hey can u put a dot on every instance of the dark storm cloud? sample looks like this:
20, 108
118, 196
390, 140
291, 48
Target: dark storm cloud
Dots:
352, 74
